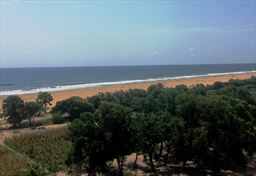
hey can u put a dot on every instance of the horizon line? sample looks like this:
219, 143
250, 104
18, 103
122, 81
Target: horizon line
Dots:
137, 65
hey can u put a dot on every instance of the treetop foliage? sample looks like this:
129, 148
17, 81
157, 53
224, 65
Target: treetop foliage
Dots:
45, 99
209, 125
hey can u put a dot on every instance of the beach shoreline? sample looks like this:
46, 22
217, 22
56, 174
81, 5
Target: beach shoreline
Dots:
209, 79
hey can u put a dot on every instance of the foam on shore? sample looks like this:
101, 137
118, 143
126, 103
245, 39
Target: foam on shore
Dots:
80, 86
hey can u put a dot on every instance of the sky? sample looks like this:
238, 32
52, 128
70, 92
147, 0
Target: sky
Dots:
104, 33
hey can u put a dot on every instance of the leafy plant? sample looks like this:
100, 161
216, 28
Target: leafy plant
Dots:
57, 118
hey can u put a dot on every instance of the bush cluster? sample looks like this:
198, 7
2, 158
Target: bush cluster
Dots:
57, 118
213, 126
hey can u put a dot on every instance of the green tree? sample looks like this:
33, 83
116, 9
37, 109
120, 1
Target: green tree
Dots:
147, 135
173, 138
186, 108
13, 109
199, 89
73, 106
100, 137
220, 140
57, 118
31, 110
213, 126
45, 99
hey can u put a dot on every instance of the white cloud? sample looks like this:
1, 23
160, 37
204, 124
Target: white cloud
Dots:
191, 49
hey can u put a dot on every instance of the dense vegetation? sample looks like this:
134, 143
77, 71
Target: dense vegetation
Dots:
212, 126
50, 149
12, 163
15, 109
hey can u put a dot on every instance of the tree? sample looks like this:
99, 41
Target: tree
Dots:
213, 126
173, 138
220, 140
31, 110
73, 106
57, 118
13, 109
186, 109
101, 136
147, 134
116, 121
45, 99
199, 89
87, 137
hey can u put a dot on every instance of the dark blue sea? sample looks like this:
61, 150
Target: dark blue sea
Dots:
29, 80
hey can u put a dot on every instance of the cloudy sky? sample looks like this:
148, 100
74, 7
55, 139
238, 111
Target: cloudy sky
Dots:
80, 33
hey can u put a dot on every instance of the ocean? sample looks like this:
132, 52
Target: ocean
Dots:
31, 80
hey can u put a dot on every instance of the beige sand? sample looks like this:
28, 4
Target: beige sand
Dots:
85, 92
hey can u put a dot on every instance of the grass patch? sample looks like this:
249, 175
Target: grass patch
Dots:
12, 163
49, 148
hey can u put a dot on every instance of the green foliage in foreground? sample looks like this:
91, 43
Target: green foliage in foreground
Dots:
12, 163
213, 126
36, 170
57, 118
107, 137
13, 108
50, 149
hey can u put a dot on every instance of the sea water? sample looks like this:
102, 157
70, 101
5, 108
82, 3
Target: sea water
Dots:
32, 80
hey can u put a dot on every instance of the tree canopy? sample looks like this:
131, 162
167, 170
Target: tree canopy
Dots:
101, 136
45, 99
13, 109
212, 126
31, 109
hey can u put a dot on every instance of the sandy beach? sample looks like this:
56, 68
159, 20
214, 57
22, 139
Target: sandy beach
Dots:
86, 92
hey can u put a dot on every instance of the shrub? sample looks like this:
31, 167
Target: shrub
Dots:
36, 170
57, 118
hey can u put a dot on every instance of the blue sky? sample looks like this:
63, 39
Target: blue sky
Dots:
87, 33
